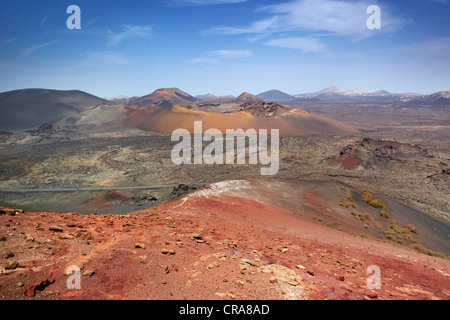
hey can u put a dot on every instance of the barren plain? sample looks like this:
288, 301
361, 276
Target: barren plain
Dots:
376, 194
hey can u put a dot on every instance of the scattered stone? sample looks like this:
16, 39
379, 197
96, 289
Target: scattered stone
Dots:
341, 278
220, 255
38, 286
249, 262
8, 255
293, 283
372, 295
168, 252
65, 236
341, 263
139, 245
273, 280
55, 228
197, 236
299, 266
232, 244
11, 212
12, 265
212, 265
3, 238
89, 273
20, 284
230, 294
310, 272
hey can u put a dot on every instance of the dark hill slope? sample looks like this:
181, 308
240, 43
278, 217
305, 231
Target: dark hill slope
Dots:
29, 108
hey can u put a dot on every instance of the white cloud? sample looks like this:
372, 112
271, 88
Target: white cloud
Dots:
32, 49
306, 44
103, 58
129, 32
220, 55
202, 2
204, 61
342, 18
232, 54
261, 26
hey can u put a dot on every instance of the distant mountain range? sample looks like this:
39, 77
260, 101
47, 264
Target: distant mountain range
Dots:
173, 96
29, 108
209, 96
334, 93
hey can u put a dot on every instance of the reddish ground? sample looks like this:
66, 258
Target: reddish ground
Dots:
296, 121
205, 247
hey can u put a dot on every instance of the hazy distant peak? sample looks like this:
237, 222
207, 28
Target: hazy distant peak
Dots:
332, 89
381, 93
208, 96
248, 97
356, 91
275, 95
164, 97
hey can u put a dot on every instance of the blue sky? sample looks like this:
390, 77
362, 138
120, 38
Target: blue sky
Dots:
225, 46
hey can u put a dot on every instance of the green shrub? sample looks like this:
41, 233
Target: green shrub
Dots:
371, 200
349, 196
412, 228
384, 214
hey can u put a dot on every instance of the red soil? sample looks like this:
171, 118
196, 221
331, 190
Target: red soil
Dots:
297, 122
210, 246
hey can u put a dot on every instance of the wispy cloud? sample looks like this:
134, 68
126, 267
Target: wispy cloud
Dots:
306, 44
439, 47
129, 32
231, 54
202, 2
32, 49
11, 40
44, 20
261, 26
210, 61
103, 58
217, 56
327, 17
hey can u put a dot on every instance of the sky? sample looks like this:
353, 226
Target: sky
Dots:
224, 47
